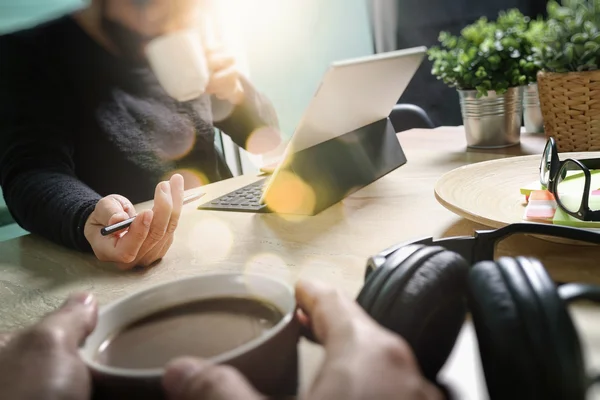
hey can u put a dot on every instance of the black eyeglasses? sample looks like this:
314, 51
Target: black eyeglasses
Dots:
570, 182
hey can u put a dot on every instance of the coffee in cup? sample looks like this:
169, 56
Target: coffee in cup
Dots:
204, 329
246, 321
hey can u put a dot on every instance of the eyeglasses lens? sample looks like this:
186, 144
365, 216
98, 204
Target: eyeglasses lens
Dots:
545, 165
570, 184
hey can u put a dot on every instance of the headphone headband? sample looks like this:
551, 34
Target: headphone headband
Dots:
570, 292
480, 246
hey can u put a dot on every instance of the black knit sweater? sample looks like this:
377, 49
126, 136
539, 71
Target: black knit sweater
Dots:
77, 124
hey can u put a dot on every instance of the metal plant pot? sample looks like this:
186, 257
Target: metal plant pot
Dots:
494, 120
532, 112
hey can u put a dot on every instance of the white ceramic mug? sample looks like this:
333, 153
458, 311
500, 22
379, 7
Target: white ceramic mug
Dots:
269, 361
179, 63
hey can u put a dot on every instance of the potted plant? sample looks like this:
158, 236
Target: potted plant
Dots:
569, 83
488, 63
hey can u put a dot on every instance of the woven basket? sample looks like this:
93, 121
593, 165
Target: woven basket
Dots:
570, 104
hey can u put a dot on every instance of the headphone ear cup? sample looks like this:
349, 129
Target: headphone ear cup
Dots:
376, 280
422, 300
430, 310
524, 332
503, 345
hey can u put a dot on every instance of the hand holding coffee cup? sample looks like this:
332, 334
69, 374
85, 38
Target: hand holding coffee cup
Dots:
186, 69
378, 364
362, 360
244, 321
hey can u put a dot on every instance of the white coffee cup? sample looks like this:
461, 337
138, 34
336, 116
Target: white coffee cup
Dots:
179, 63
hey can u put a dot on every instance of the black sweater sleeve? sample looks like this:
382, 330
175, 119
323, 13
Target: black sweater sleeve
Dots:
37, 172
255, 112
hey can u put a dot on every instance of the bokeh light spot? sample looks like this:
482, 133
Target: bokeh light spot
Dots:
263, 140
171, 147
288, 194
211, 240
221, 110
191, 178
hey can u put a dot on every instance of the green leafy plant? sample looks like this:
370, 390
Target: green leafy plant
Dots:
487, 55
535, 32
572, 38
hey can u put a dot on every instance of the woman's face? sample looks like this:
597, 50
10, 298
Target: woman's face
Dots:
131, 24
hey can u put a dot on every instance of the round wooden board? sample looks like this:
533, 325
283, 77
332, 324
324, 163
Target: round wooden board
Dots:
489, 192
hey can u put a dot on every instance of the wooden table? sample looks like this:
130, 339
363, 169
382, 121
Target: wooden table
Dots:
35, 275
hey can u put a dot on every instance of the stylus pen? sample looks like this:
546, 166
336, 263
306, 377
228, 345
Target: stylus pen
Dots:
109, 230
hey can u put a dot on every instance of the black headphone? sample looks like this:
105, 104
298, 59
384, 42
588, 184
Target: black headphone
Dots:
528, 344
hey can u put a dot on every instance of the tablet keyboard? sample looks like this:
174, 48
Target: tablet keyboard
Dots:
245, 199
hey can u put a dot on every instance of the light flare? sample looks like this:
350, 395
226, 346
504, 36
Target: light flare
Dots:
263, 140
211, 240
191, 178
176, 147
289, 194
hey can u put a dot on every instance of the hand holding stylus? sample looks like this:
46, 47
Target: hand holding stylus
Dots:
119, 226
150, 233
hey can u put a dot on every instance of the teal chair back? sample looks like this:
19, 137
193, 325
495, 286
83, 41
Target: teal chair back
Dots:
17, 14
8, 228
5, 217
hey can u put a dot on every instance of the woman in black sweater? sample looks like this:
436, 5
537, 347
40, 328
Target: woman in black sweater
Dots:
83, 118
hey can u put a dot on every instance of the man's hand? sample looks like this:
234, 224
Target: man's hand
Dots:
4, 339
362, 360
193, 379
43, 363
224, 81
150, 235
